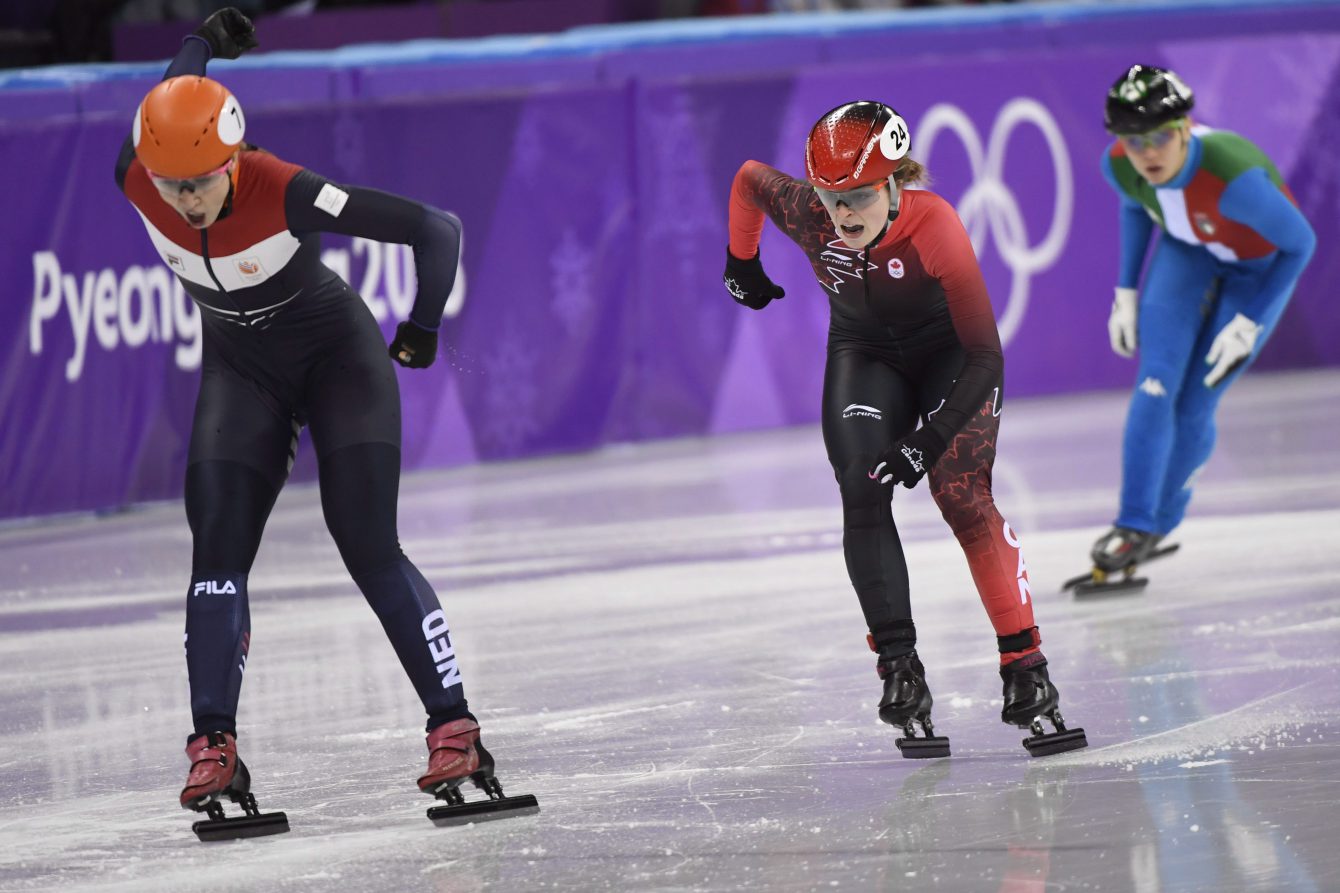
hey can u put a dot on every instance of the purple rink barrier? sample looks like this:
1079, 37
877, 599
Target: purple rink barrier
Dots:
590, 309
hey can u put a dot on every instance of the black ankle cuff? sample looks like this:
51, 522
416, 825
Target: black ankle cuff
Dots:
893, 639
1020, 641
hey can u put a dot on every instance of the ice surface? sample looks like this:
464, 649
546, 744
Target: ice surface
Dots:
661, 644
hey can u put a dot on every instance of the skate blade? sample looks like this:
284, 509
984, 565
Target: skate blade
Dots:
1077, 581
923, 748
1162, 551
1056, 742
484, 810
1088, 588
241, 826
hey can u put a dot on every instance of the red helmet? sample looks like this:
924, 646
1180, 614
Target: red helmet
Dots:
855, 144
187, 126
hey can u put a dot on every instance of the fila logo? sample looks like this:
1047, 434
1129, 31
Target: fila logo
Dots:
214, 587
440, 648
896, 269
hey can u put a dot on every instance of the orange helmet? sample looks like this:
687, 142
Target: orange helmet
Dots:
187, 126
854, 145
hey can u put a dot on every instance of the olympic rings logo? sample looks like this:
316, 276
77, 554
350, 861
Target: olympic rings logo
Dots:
990, 208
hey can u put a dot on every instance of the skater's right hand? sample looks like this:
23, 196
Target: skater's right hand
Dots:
748, 284
1121, 322
413, 346
229, 34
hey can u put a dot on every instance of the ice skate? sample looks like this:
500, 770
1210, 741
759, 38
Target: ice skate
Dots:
1030, 697
907, 702
1116, 557
454, 755
217, 772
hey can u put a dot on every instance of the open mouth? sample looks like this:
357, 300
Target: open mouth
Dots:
196, 220
852, 231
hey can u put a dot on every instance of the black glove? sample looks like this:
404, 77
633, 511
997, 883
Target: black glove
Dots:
413, 345
748, 284
908, 460
229, 34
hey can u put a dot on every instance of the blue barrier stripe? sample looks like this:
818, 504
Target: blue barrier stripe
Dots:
681, 33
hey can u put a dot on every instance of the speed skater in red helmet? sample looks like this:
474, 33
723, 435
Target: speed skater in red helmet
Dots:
913, 387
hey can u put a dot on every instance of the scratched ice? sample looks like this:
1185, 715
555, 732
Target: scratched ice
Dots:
662, 645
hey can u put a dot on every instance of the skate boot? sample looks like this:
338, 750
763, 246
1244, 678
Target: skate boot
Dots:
1030, 697
454, 755
217, 772
906, 702
1116, 556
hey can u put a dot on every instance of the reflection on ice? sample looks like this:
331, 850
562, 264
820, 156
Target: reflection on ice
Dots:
661, 645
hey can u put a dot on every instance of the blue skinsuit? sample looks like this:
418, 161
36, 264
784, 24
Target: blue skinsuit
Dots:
1189, 295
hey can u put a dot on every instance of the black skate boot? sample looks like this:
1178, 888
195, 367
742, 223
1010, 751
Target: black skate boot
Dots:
1029, 698
906, 702
455, 753
1116, 556
216, 772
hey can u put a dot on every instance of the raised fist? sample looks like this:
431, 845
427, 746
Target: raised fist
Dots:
229, 34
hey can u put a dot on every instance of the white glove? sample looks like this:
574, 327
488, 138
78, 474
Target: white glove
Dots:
1121, 323
1231, 348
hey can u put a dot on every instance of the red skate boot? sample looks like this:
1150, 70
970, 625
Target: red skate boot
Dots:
217, 772
455, 754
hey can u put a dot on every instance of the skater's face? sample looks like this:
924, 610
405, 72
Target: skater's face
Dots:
199, 200
858, 215
1159, 154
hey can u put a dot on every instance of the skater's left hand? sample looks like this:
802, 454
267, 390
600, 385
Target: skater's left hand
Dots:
413, 346
908, 460
1231, 348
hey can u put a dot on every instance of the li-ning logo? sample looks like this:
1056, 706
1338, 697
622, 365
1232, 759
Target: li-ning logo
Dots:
914, 457
1153, 387
214, 587
857, 409
840, 262
990, 207
175, 262
440, 648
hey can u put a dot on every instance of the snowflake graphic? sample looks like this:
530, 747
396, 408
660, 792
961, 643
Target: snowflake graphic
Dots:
528, 148
511, 393
571, 265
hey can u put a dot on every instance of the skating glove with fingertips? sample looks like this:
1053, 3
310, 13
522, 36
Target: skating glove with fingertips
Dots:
413, 346
1121, 322
908, 460
229, 34
748, 284
1231, 348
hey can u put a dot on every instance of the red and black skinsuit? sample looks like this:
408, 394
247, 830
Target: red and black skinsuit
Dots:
288, 344
911, 337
